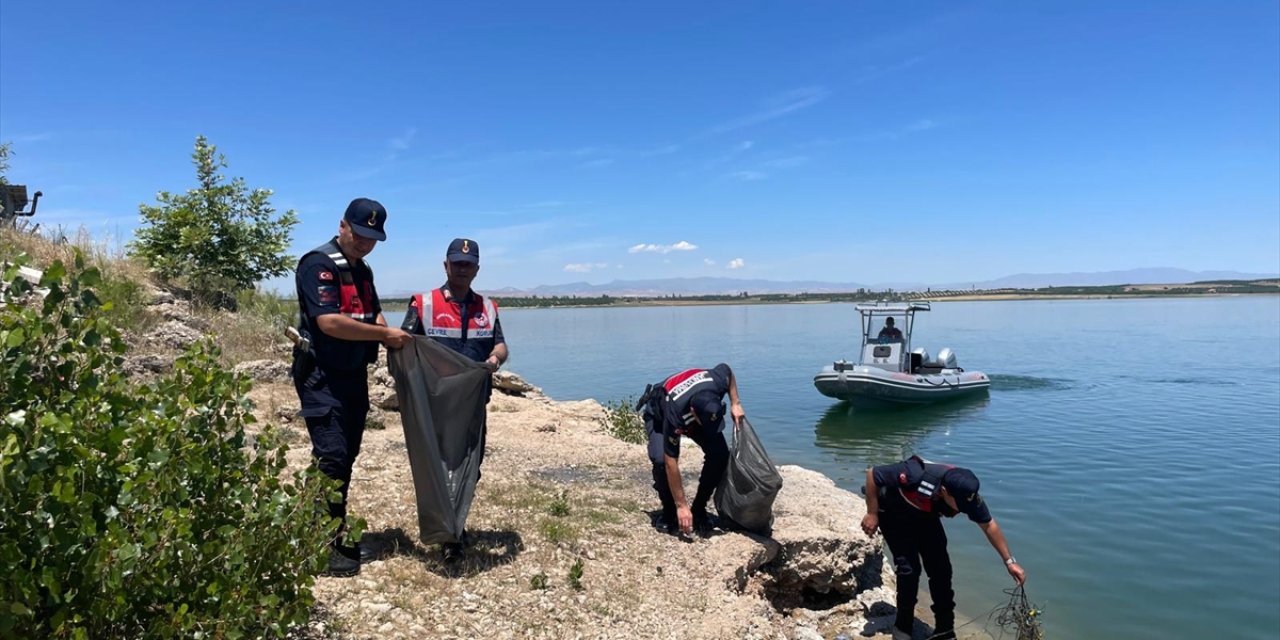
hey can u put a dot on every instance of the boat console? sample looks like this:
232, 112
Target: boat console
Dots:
887, 356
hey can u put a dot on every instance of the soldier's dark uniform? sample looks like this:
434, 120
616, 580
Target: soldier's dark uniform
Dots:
910, 520
332, 380
695, 391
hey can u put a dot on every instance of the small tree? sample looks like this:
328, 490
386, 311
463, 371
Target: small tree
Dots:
216, 239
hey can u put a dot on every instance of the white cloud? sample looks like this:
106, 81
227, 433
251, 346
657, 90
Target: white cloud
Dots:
585, 267
786, 163
736, 263
748, 176
401, 143
777, 107
33, 137
662, 248
397, 145
709, 262
660, 151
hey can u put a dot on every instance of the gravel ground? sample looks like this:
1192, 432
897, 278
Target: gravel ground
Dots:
563, 545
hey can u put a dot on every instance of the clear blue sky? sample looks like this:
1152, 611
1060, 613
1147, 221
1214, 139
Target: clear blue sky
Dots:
850, 141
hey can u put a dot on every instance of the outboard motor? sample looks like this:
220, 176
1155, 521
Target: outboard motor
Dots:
924, 354
947, 358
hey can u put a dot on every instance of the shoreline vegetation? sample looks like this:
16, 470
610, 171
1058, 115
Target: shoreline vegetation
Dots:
1207, 288
563, 542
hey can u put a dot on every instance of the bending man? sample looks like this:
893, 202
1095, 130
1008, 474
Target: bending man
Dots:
690, 404
905, 501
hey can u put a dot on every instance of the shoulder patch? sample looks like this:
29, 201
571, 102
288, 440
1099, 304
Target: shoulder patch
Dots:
326, 275
328, 294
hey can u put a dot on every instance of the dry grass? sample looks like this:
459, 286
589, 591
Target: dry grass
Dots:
46, 246
124, 280
245, 336
256, 332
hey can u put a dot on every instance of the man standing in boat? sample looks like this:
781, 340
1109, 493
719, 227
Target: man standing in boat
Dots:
890, 332
905, 501
689, 404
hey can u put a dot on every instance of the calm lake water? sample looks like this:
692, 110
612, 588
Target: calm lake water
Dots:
1130, 449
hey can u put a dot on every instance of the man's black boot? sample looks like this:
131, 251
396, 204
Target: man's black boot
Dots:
667, 522
703, 522
456, 551
453, 552
340, 564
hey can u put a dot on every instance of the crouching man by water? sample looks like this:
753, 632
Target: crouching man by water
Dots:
905, 501
690, 404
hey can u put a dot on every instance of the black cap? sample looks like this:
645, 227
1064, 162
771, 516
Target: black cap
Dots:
963, 486
710, 411
366, 218
463, 250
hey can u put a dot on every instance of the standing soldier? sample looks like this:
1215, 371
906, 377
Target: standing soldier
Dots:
905, 500
463, 320
342, 318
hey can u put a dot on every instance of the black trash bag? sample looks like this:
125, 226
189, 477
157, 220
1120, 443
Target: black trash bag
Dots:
442, 397
746, 492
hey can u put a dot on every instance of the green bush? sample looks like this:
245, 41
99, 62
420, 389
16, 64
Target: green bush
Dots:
623, 422
560, 505
137, 510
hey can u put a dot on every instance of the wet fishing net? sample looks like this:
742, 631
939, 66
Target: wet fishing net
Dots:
1018, 618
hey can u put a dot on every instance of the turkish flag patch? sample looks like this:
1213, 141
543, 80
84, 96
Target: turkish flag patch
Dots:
326, 275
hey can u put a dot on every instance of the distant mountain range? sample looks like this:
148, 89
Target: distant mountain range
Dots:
729, 286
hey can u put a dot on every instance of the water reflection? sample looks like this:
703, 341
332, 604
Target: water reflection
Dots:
883, 435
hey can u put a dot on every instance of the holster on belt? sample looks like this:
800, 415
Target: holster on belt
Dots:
304, 356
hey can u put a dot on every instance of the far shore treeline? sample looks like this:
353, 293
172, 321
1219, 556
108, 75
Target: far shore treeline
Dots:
1200, 288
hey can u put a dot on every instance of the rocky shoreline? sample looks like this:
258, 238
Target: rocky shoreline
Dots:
562, 537
563, 544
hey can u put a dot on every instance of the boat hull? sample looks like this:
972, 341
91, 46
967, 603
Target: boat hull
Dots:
879, 386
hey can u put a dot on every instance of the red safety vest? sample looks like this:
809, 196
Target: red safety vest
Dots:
918, 486
439, 316
681, 388
355, 304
